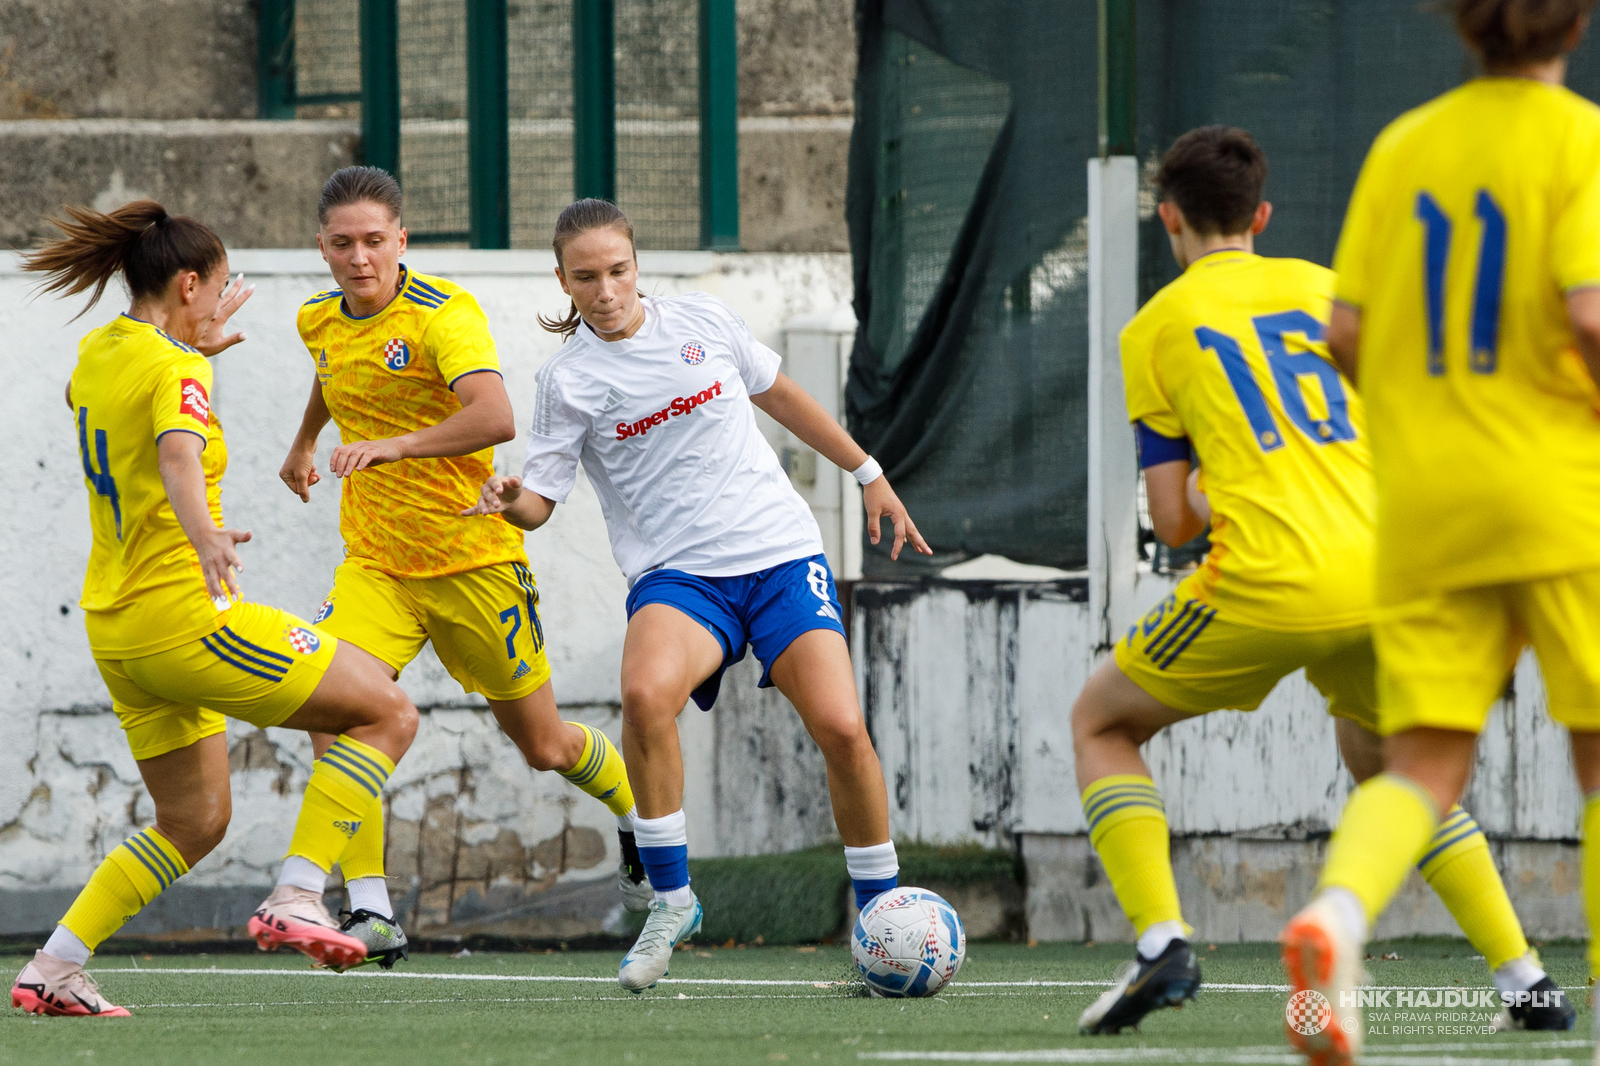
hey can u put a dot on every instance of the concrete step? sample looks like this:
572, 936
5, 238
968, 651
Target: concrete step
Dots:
256, 182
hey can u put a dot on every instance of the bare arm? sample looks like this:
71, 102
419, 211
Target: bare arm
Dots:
183, 476
299, 471
795, 410
1179, 511
1583, 309
485, 419
506, 497
1344, 339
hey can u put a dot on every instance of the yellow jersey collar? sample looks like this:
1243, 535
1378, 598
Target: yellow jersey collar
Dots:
1220, 255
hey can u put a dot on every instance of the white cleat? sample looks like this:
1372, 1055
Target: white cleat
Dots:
636, 895
668, 926
1324, 968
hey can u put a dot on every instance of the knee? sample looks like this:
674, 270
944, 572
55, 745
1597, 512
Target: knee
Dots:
1091, 722
196, 833
549, 754
650, 701
842, 735
402, 714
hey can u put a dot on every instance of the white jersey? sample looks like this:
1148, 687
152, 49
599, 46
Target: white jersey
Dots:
663, 425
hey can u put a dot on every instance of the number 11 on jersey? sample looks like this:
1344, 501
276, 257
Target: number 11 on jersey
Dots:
1438, 230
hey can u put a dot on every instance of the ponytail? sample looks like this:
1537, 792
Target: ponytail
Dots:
575, 220
143, 243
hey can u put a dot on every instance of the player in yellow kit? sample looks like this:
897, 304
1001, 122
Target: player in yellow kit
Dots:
407, 369
1228, 363
1469, 314
177, 646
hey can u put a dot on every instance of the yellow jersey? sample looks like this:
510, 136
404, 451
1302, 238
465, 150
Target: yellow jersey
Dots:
392, 373
1473, 216
144, 591
1231, 356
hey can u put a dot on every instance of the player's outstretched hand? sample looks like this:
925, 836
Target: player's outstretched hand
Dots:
220, 562
881, 501
216, 338
498, 494
349, 458
299, 472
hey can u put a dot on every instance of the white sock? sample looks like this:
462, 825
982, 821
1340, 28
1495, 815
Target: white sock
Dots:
301, 872
1352, 915
677, 897
625, 821
1154, 940
64, 944
872, 863
667, 832
1519, 975
370, 894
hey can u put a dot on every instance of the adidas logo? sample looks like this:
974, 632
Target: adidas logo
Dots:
614, 399
827, 611
523, 670
347, 828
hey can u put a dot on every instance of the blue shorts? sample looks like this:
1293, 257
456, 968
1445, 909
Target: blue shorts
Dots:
767, 610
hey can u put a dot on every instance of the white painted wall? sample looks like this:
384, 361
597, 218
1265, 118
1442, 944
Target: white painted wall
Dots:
68, 789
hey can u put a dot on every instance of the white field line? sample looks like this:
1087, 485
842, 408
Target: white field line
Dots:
1210, 986
1395, 1055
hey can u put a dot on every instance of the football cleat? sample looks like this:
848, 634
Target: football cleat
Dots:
668, 926
385, 940
635, 886
48, 985
1144, 985
295, 917
1322, 963
1543, 1006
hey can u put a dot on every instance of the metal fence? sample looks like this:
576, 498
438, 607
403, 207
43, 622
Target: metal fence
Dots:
494, 116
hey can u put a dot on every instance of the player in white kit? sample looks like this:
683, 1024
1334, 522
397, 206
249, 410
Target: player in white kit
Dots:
649, 395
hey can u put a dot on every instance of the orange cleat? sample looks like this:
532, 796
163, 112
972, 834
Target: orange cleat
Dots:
56, 987
1323, 1019
296, 918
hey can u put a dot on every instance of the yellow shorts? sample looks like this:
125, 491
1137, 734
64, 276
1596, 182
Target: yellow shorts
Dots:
1187, 657
259, 666
484, 623
1445, 658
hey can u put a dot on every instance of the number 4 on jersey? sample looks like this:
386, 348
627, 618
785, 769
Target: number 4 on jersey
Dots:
102, 481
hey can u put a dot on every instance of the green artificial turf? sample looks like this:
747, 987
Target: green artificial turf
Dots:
775, 1004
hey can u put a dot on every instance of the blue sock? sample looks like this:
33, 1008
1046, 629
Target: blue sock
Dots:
867, 891
667, 866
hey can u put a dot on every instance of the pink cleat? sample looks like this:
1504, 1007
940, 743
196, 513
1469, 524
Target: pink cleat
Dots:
1322, 963
295, 917
53, 986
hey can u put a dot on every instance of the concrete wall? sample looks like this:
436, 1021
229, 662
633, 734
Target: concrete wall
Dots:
476, 841
147, 68
127, 59
968, 687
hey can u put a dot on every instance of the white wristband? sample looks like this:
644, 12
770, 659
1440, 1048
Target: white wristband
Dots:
868, 471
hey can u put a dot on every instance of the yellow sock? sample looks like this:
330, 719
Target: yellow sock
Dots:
1385, 828
1128, 829
1591, 877
344, 784
601, 772
1459, 867
131, 876
363, 856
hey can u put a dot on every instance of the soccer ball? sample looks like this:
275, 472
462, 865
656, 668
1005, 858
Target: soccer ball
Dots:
908, 944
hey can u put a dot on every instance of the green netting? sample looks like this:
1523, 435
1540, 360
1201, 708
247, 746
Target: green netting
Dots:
539, 96
658, 120
967, 380
966, 206
327, 53
433, 118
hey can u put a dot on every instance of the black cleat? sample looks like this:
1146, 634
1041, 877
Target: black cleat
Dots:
1544, 1006
1143, 986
